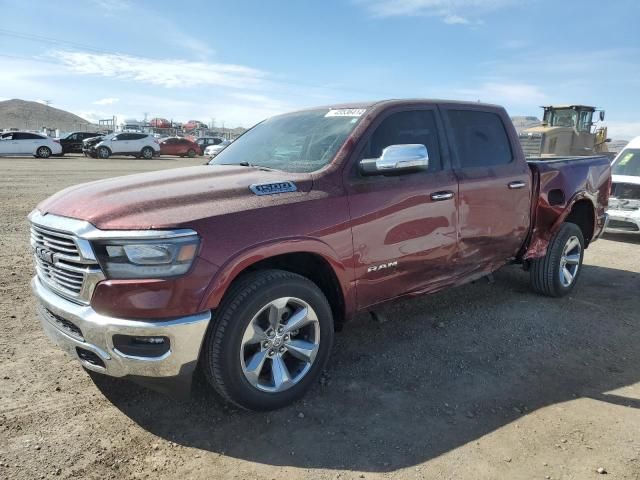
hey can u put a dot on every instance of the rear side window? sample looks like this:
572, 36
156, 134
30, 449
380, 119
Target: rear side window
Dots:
479, 138
414, 126
26, 136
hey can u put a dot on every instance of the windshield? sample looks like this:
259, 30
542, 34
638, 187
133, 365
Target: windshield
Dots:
628, 163
565, 117
296, 142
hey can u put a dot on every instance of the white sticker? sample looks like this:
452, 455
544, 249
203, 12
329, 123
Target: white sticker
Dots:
346, 112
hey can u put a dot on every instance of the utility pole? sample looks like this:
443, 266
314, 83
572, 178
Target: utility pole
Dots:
47, 103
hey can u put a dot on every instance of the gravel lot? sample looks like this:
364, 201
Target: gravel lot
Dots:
484, 381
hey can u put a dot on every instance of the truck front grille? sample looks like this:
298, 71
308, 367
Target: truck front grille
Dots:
622, 225
60, 265
627, 191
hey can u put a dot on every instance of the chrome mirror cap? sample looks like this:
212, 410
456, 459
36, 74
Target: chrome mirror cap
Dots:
397, 159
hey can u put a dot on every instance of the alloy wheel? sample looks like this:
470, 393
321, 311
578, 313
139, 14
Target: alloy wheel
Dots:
570, 261
280, 344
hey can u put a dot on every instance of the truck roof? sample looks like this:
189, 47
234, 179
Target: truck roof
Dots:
568, 106
402, 101
634, 143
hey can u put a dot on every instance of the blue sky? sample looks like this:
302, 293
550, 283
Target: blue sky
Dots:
240, 61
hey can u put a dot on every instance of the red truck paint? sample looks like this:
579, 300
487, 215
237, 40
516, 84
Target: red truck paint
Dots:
352, 223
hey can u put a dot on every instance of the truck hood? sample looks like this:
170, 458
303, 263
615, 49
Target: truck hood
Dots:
171, 198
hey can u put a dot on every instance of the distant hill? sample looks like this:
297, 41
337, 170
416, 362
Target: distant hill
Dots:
522, 123
23, 114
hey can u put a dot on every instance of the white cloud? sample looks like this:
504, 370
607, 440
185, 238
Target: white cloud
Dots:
111, 6
502, 92
106, 101
170, 73
454, 12
623, 130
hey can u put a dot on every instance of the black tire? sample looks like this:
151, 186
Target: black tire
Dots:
103, 153
191, 153
546, 272
43, 152
221, 350
146, 153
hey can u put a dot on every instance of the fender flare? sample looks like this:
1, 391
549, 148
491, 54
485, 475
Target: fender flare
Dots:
235, 265
537, 247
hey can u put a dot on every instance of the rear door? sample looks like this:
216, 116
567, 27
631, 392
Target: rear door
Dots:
404, 226
25, 143
494, 186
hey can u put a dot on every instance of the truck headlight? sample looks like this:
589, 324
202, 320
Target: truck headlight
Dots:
158, 258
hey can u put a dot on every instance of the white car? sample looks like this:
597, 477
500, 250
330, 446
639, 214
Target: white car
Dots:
213, 150
29, 143
624, 202
142, 145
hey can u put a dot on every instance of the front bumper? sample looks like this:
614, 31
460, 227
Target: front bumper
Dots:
623, 221
78, 329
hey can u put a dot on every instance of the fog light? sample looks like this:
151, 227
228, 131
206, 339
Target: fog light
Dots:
147, 347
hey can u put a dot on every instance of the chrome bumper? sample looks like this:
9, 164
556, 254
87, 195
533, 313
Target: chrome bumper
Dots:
185, 336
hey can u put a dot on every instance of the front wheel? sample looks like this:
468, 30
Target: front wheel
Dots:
147, 153
271, 339
556, 273
104, 153
43, 152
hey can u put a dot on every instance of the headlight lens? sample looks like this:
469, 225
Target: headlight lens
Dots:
122, 259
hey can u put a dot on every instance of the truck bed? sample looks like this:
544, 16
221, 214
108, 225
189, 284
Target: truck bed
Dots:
558, 185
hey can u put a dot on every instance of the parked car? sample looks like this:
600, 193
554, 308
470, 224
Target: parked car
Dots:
363, 205
72, 143
204, 142
624, 203
88, 145
29, 143
179, 146
141, 145
213, 150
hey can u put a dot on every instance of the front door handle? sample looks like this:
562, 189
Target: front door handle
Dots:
439, 196
517, 184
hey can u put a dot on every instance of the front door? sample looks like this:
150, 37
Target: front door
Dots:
494, 187
404, 226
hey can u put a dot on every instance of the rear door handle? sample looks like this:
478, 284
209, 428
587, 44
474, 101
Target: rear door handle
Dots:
439, 196
517, 184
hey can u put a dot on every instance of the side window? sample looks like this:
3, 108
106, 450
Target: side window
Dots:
479, 138
414, 126
139, 136
584, 121
120, 137
217, 141
73, 137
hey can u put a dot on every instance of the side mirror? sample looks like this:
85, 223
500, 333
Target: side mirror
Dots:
601, 115
397, 159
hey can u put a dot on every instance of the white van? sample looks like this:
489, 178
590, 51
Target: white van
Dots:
624, 203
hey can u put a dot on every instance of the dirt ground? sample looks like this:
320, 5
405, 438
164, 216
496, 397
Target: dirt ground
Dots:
487, 381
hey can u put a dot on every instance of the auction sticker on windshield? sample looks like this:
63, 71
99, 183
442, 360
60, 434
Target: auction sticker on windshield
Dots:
346, 112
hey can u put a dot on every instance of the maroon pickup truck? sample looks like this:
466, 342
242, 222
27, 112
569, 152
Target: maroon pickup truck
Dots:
246, 267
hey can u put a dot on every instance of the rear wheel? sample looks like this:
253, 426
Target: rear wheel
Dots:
104, 153
191, 153
147, 153
557, 272
43, 152
272, 337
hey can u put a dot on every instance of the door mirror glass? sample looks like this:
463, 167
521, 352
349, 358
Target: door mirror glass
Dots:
397, 159
601, 115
